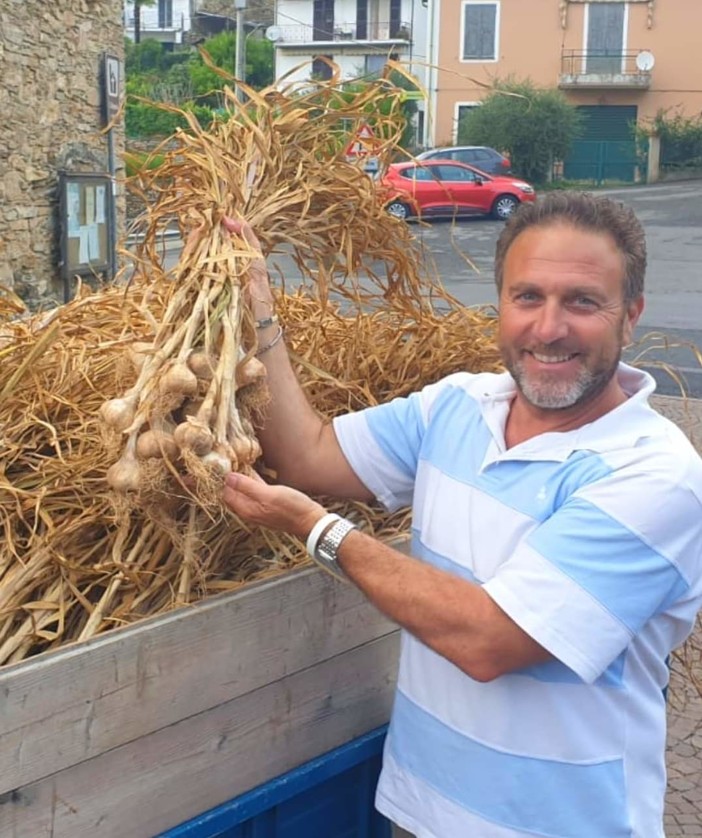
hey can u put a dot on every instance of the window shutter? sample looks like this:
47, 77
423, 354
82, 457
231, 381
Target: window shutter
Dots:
362, 19
480, 22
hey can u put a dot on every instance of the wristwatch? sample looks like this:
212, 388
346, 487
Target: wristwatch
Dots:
326, 551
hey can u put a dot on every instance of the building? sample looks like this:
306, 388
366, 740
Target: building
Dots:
173, 22
357, 35
51, 100
621, 62
165, 21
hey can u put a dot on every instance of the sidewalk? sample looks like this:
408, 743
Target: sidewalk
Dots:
683, 818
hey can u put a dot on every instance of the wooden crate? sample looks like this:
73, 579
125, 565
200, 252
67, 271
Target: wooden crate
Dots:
148, 726
139, 730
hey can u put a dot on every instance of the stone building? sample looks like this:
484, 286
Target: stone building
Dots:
50, 101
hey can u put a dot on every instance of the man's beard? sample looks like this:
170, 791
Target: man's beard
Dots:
559, 395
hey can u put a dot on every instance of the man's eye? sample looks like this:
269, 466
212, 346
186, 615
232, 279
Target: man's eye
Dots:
584, 302
526, 297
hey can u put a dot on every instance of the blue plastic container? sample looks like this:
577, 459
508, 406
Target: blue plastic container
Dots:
328, 797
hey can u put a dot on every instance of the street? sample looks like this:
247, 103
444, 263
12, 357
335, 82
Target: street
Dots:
671, 325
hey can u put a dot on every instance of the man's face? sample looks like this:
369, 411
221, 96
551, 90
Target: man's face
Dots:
563, 320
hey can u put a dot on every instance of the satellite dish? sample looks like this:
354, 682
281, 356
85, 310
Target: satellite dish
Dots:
274, 33
645, 61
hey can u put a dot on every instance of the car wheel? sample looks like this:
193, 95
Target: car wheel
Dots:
504, 207
398, 209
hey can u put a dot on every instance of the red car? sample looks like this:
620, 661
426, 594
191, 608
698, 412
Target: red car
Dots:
432, 188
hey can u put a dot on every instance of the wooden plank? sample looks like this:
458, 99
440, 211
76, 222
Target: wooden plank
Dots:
167, 777
68, 706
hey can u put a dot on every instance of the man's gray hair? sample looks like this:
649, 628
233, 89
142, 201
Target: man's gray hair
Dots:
594, 213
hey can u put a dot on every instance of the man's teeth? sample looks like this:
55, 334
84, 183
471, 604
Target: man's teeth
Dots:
552, 359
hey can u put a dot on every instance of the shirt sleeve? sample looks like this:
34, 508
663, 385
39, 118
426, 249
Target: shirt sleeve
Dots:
383, 444
616, 553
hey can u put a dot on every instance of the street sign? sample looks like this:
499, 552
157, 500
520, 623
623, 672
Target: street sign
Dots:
364, 143
111, 86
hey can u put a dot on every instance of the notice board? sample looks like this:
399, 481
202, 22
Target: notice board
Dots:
85, 208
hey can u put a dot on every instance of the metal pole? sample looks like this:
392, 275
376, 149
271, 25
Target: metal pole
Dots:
240, 67
112, 203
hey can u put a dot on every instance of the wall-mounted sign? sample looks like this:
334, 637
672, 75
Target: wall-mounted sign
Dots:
85, 222
111, 86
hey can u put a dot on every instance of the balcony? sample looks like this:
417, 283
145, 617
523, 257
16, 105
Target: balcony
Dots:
345, 33
587, 70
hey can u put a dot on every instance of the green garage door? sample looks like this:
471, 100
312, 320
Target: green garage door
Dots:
606, 149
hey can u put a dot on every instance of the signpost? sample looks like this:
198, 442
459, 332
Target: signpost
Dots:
363, 147
111, 90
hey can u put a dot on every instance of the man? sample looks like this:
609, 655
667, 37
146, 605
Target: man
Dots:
557, 530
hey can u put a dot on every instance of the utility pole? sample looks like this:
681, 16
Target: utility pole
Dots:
240, 65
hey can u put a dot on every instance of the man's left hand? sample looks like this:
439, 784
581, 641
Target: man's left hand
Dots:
275, 507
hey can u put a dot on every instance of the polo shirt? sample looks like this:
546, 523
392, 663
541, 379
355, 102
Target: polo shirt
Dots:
591, 541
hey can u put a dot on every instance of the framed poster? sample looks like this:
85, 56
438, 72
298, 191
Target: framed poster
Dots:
84, 211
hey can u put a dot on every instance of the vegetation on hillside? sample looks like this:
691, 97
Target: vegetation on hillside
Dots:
184, 79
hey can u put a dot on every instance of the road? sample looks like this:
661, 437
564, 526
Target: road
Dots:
671, 325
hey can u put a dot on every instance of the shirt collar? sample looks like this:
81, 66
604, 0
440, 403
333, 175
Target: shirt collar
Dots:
625, 425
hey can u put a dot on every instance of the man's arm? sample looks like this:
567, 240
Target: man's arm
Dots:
298, 445
454, 617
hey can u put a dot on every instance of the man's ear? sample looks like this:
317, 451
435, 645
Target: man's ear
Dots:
634, 309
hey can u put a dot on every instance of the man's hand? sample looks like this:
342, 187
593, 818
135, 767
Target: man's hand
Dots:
275, 507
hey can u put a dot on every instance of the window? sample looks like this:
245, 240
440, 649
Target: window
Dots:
375, 64
321, 69
461, 112
605, 37
165, 14
455, 174
417, 173
480, 27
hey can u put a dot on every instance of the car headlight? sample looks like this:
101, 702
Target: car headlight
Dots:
524, 187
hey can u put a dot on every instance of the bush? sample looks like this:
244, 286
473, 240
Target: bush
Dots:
533, 126
681, 139
143, 119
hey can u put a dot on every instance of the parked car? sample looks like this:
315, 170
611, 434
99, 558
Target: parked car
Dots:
483, 158
432, 188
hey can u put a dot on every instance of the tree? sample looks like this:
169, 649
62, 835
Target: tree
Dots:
533, 126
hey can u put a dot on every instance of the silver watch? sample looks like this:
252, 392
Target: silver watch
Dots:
326, 552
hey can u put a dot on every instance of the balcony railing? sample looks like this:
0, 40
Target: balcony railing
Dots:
385, 31
590, 69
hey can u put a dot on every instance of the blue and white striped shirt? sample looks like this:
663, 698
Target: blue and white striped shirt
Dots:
591, 541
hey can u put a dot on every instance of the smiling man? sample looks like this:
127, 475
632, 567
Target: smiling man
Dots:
556, 540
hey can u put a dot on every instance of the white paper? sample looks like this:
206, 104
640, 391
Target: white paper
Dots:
100, 204
73, 201
93, 243
89, 205
83, 255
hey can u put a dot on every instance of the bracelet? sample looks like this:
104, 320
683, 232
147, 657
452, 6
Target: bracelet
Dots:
278, 337
318, 530
267, 321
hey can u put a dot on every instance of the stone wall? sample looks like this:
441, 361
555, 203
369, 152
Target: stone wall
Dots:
50, 119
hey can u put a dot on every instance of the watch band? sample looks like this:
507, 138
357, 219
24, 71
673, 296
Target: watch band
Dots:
318, 529
326, 552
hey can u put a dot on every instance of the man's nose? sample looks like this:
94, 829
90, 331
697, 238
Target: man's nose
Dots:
551, 323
